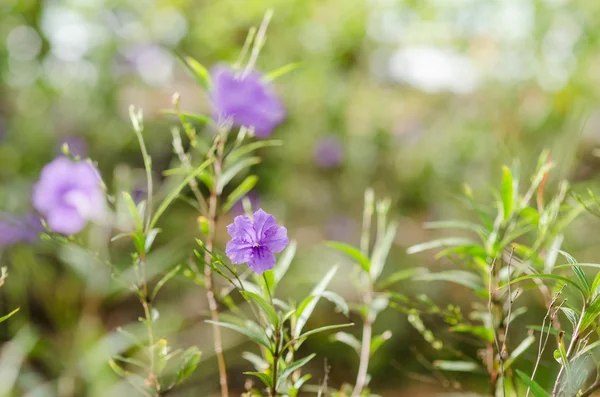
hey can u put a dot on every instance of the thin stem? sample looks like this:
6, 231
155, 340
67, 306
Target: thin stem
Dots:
268, 289
208, 275
365, 350
595, 386
276, 354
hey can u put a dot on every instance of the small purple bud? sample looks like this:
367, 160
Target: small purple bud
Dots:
328, 152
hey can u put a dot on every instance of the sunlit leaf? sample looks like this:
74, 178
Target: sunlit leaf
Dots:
266, 379
439, 243
536, 389
352, 252
456, 366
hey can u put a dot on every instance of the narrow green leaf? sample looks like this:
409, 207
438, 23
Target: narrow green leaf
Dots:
564, 280
379, 340
265, 306
249, 148
239, 192
117, 369
536, 389
173, 195
133, 212
272, 75
523, 346
508, 198
164, 280
452, 224
266, 379
401, 275
230, 172
347, 339
7, 316
439, 243
251, 333
302, 315
285, 259
198, 72
571, 315
259, 363
479, 331
579, 273
338, 301
187, 116
381, 251
352, 252
323, 329
456, 366
293, 367
189, 362
461, 277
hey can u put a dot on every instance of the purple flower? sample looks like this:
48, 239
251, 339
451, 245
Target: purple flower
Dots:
328, 152
249, 100
68, 194
19, 229
255, 240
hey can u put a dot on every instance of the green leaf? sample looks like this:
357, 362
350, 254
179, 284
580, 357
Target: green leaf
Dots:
239, 192
564, 280
440, 243
347, 339
117, 369
581, 276
379, 340
187, 116
230, 172
133, 212
508, 197
285, 259
7, 316
401, 275
266, 379
536, 389
198, 72
265, 306
456, 366
352, 252
252, 333
272, 75
305, 310
256, 360
173, 195
187, 365
523, 346
552, 331
249, 148
381, 251
293, 367
163, 280
461, 277
454, 225
571, 315
479, 331
338, 301
323, 329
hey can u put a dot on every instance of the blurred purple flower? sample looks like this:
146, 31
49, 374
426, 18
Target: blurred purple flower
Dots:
139, 193
77, 146
249, 101
341, 228
238, 207
68, 194
328, 152
19, 229
255, 240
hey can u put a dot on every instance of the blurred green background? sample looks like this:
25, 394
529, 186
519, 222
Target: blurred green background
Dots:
421, 95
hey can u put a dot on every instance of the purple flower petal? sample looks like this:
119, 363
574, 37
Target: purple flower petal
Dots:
242, 229
275, 239
262, 259
69, 194
249, 100
238, 251
255, 240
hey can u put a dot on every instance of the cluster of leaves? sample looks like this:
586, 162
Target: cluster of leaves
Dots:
518, 238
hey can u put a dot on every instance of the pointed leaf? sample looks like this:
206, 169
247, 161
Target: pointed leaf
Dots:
293, 367
536, 389
264, 306
352, 252
347, 339
164, 280
230, 172
189, 362
239, 192
381, 251
440, 243
251, 333
508, 198
266, 379
302, 315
